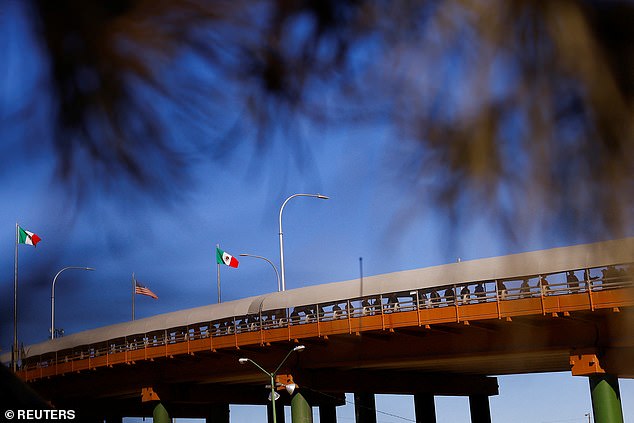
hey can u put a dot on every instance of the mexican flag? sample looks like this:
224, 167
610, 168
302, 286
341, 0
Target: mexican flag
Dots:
26, 237
223, 257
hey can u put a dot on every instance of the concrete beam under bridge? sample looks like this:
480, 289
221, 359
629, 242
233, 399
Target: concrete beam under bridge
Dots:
192, 402
320, 387
397, 382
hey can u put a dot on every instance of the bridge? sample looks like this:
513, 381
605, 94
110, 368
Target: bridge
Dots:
442, 330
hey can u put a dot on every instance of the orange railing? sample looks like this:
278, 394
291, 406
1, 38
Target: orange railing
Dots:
599, 288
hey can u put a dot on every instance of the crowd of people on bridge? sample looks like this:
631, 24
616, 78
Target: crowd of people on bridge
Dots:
475, 292
568, 282
455, 295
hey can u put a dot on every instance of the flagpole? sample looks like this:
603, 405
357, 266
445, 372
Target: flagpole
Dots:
218, 267
14, 350
133, 293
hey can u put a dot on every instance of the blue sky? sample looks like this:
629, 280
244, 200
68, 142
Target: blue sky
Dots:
234, 201
171, 250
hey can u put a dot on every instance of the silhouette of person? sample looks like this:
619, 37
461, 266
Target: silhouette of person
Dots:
479, 291
366, 306
502, 291
295, 315
450, 295
525, 288
572, 280
465, 293
336, 311
543, 285
422, 299
392, 302
434, 298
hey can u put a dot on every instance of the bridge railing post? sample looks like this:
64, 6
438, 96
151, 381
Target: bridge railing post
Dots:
541, 295
382, 311
588, 281
318, 320
455, 302
418, 318
497, 299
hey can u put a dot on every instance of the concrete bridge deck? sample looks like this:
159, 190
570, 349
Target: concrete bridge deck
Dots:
388, 341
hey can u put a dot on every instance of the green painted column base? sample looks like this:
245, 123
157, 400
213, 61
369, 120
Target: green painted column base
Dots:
160, 414
301, 412
606, 399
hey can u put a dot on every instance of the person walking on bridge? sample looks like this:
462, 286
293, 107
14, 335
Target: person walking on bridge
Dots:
450, 295
573, 281
525, 288
502, 291
544, 286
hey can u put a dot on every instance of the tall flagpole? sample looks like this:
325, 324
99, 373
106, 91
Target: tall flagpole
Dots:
14, 350
218, 267
133, 293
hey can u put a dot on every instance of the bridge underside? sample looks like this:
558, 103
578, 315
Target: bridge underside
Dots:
441, 359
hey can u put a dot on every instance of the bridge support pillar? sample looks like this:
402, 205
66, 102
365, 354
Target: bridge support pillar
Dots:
280, 417
327, 413
425, 408
606, 398
218, 414
364, 407
301, 412
479, 407
160, 414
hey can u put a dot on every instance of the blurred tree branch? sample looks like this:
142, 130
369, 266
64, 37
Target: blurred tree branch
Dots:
519, 108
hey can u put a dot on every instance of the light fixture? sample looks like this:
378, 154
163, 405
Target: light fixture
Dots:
290, 388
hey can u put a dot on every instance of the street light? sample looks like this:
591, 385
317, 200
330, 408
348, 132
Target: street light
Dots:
53, 295
289, 388
277, 274
322, 197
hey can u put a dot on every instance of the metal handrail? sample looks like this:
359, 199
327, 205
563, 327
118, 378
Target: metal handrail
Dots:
234, 325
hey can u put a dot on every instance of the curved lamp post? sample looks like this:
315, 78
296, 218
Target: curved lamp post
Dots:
277, 274
53, 295
272, 374
322, 197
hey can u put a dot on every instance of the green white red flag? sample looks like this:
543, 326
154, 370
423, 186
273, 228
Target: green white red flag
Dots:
222, 257
28, 238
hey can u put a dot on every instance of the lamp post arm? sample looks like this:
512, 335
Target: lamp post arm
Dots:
53, 295
323, 197
277, 274
260, 367
283, 361
286, 201
272, 378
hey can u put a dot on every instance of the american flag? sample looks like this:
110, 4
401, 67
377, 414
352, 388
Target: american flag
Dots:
142, 290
